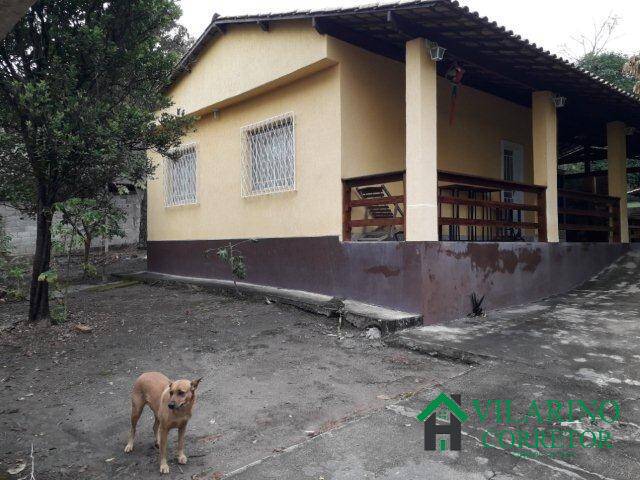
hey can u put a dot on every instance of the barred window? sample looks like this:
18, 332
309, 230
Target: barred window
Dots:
268, 156
180, 177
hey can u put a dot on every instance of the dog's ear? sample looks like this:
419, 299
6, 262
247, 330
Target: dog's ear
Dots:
195, 383
170, 385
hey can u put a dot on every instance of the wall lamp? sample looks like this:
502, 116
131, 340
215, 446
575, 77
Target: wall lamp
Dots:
436, 51
559, 101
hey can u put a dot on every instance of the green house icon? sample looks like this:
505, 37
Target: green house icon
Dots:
456, 415
443, 400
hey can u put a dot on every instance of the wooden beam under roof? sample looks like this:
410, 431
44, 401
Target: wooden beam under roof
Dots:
325, 26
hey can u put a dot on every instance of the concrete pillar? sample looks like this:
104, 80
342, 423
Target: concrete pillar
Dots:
545, 156
617, 172
421, 144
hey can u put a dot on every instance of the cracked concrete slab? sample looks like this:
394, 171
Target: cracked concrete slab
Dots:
581, 345
388, 443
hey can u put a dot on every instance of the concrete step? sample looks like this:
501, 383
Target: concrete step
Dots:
360, 315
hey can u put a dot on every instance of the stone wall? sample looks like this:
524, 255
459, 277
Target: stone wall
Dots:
22, 228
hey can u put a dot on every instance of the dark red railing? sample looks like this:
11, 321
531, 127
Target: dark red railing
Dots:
589, 212
487, 212
349, 203
577, 211
634, 230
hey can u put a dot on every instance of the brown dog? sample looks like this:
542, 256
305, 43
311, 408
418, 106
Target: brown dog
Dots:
172, 404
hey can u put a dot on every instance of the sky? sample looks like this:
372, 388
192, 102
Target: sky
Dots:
550, 23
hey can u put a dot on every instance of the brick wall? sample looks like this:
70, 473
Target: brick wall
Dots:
22, 228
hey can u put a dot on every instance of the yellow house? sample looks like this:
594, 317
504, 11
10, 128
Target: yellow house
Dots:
403, 155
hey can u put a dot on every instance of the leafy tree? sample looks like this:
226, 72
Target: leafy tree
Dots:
84, 219
609, 66
12, 269
80, 81
632, 68
590, 50
594, 42
178, 44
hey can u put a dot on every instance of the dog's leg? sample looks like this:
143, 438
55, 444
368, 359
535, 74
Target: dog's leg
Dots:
137, 405
182, 458
164, 433
156, 437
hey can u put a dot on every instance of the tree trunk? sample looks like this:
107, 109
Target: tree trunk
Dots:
85, 257
39, 293
87, 250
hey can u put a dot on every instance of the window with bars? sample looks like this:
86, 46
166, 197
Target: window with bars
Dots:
180, 177
268, 156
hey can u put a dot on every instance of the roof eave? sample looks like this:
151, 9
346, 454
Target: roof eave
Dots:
217, 26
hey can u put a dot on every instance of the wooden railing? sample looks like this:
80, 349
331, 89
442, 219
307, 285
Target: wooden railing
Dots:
478, 203
589, 214
349, 203
634, 229
485, 208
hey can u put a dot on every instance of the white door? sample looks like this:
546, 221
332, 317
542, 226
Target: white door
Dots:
512, 162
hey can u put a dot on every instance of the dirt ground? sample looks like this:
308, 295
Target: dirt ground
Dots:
274, 378
122, 259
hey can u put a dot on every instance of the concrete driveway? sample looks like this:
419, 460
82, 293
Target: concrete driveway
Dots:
582, 345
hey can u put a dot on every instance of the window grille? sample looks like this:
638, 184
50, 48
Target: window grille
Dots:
180, 177
268, 156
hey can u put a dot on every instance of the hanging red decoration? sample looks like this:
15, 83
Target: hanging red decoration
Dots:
454, 75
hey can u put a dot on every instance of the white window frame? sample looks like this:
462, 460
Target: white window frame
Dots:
171, 198
279, 185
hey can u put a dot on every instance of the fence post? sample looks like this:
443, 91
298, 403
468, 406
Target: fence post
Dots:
346, 212
615, 214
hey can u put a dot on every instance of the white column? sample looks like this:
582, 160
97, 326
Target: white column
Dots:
545, 156
421, 144
617, 172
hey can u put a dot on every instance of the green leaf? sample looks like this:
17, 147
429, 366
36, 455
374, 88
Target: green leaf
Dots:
50, 276
223, 254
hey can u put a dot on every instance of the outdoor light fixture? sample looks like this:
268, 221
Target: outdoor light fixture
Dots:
559, 101
630, 131
436, 51
216, 113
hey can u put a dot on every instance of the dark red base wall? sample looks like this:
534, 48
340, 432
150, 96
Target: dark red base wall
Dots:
432, 278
